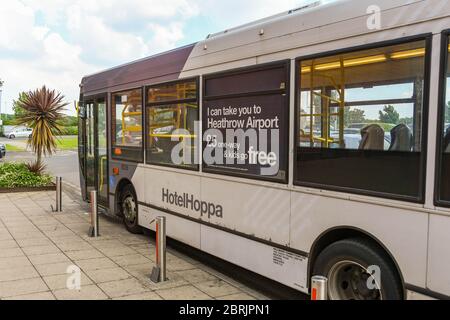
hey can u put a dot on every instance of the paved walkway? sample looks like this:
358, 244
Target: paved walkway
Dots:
37, 248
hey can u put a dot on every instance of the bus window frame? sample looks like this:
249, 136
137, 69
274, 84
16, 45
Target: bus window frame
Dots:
286, 63
93, 99
112, 132
420, 199
444, 62
195, 167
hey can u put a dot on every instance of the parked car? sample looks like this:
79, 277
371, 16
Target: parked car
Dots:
20, 133
2, 150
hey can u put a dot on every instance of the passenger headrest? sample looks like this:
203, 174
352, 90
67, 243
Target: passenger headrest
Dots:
372, 138
401, 139
447, 141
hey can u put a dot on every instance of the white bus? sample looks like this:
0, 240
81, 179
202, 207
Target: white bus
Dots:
350, 175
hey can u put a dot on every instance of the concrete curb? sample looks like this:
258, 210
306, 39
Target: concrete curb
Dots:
71, 187
73, 191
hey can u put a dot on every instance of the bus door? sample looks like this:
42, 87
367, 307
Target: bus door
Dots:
96, 149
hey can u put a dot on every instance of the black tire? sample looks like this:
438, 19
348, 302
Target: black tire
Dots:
12, 137
131, 222
354, 257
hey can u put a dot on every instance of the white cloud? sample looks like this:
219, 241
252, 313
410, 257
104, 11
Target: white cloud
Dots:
164, 37
101, 43
17, 29
240, 12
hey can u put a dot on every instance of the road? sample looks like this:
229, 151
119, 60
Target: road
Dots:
63, 163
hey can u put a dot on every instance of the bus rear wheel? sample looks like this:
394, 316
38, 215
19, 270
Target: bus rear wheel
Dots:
351, 266
129, 207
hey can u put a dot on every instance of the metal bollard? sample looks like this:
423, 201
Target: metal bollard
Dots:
159, 271
94, 229
58, 194
319, 288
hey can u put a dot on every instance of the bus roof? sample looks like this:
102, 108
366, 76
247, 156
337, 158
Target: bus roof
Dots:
158, 68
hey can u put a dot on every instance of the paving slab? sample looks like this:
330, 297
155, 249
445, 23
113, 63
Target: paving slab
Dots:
53, 269
41, 250
34, 242
84, 254
117, 251
132, 259
5, 236
183, 293
108, 275
123, 288
142, 296
14, 262
91, 292
19, 273
196, 275
217, 288
41, 296
73, 246
50, 258
11, 252
57, 282
37, 248
95, 264
8, 244
22, 287
238, 297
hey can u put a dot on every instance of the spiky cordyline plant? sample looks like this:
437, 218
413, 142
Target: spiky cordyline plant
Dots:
42, 112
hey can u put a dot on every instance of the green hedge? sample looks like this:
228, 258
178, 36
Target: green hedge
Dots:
16, 175
69, 131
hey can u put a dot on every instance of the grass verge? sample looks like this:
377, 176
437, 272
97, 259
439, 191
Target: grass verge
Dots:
12, 148
67, 143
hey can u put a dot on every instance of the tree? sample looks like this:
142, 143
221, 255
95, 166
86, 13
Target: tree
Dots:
354, 116
389, 115
18, 110
42, 111
409, 121
447, 113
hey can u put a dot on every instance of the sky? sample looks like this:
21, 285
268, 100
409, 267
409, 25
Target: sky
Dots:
57, 42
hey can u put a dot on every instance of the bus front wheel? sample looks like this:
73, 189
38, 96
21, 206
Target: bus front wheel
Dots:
129, 207
358, 270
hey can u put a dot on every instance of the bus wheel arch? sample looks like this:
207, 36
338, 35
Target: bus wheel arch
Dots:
126, 199
337, 234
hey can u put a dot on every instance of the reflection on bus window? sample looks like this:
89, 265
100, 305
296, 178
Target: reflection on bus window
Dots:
127, 129
172, 92
443, 178
172, 113
366, 100
446, 146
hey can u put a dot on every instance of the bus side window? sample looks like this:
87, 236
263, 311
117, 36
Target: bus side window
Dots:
172, 111
361, 114
443, 177
127, 125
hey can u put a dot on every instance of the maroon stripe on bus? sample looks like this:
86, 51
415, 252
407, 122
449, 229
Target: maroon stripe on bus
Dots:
160, 68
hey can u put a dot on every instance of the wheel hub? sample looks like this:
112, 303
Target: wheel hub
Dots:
349, 280
129, 209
